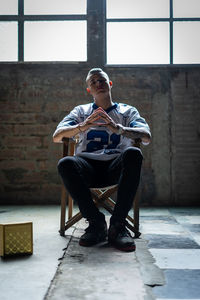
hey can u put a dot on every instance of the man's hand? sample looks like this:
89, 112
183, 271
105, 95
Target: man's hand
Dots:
99, 118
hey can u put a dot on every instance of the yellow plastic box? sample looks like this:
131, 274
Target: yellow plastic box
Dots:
16, 239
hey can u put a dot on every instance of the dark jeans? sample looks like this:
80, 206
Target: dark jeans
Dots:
79, 174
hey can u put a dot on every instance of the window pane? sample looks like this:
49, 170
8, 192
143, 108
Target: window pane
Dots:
8, 41
40, 7
55, 41
8, 7
137, 8
186, 8
186, 42
138, 43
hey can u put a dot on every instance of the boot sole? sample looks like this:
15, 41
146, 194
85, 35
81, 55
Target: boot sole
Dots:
125, 248
90, 244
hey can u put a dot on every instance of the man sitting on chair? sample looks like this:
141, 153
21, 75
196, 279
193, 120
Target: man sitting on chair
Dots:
104, 156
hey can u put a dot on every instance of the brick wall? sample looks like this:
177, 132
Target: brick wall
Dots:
186, 137
35, 97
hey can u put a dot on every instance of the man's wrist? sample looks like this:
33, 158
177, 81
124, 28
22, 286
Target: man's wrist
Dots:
120, 129
82, 127
79, 128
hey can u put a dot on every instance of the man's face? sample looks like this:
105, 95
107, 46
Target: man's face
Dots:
98, 83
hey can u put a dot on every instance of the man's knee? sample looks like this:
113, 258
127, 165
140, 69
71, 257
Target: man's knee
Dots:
66, 163
132, 154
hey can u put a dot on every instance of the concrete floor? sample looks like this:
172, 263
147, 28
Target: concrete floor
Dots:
166, 264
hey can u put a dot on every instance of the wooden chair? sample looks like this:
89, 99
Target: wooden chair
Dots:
101, 197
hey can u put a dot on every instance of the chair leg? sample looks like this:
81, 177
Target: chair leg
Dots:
66, 198
68, 150
73, 220
70, 207
63, 211
136, 214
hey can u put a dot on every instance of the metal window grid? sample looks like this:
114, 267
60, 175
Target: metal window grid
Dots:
93, 45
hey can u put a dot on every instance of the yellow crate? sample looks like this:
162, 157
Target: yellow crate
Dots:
16, 239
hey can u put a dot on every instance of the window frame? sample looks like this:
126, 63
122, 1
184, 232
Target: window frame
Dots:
170, 20
96, 32
21, 18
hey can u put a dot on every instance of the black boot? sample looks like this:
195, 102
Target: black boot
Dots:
95, 233
120, 238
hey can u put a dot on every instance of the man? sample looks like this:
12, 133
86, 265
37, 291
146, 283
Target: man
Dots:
104, 156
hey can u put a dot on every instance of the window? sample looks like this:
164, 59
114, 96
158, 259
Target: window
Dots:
8, 41
137, 9
55, 41
52, 7
186, 8
150, 46
112, 32
153, 32
43, 30
9, 7
186, 42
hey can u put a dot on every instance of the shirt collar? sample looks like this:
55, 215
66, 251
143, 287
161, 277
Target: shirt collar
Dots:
107, 110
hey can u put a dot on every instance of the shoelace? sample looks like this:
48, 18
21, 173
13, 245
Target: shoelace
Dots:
122, 230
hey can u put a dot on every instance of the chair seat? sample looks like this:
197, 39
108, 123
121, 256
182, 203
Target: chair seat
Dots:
101, 196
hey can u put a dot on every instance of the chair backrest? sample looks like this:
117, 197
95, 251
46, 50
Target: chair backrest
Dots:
68, 146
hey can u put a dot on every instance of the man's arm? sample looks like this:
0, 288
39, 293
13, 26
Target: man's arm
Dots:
135, 133
67, 132
129, 132
95, 120
72, 130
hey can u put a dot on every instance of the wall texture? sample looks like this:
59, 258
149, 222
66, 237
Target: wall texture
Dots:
35, 97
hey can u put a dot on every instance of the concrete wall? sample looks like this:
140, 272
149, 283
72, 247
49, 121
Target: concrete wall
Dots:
35, 97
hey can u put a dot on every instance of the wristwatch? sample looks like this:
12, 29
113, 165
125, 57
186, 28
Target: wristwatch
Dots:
120, 129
